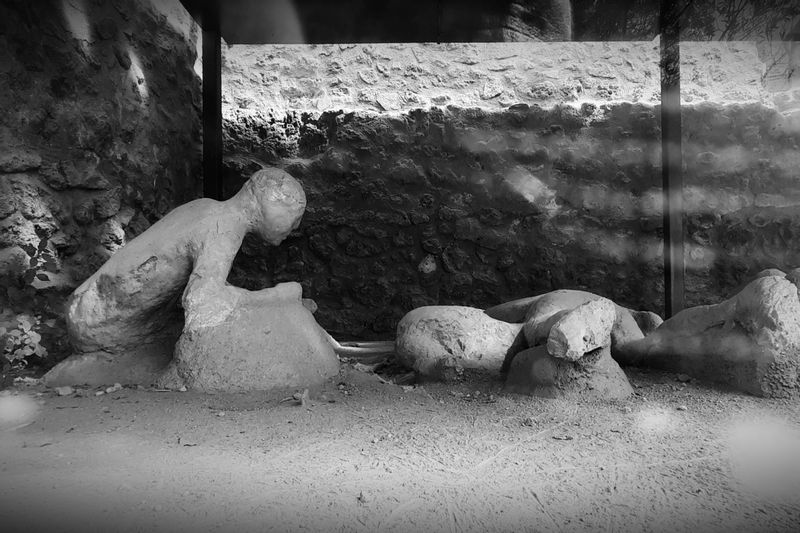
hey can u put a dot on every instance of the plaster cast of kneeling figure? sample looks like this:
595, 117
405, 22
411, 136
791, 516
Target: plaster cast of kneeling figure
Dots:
123, 320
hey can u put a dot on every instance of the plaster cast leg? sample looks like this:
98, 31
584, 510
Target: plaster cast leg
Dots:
141, 364
136, 366
112, 348
264, 340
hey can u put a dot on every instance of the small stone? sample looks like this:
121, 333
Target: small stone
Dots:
491, 89
684, 378
64, 391
221, 414
182, 389
301, 397
427, 265
361, 367
682, 408
387, 102
99, 393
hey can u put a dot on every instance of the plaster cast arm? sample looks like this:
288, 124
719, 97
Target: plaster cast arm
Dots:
207, 283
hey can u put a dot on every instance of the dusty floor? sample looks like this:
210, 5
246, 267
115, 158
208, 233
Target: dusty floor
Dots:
370, 456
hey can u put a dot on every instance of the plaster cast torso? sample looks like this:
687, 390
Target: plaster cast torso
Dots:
134, 291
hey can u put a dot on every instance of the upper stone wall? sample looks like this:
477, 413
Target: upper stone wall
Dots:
397, 78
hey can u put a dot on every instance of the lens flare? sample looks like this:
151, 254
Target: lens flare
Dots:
764, 455
17, 412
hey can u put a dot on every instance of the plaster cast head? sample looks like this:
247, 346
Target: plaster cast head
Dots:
277, 201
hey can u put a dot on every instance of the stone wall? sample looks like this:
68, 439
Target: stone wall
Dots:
99, 137
474, 174
393, 78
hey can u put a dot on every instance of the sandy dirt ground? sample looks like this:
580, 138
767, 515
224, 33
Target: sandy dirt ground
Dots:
363, 455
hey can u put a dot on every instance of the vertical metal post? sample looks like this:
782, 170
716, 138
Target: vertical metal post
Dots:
212, 101
671, 158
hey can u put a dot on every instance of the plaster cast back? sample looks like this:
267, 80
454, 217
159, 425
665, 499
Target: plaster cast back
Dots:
128, 298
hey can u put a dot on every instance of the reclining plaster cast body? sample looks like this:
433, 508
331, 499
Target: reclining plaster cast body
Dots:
750, 341
124, 319
573, 357
557, 344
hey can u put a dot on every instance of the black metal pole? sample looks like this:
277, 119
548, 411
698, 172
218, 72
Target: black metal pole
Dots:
671, 158
212, 101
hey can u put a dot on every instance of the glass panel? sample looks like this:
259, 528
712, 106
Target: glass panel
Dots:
453, 173
740, 120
